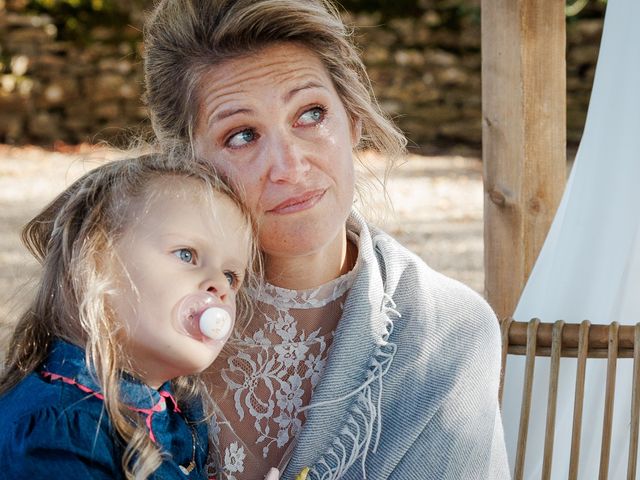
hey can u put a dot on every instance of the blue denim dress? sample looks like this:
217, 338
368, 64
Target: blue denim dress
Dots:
53, 425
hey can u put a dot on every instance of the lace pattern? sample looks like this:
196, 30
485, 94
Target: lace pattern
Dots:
284, 299
276, 364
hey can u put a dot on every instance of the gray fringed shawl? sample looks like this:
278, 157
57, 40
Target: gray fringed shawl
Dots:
410, 386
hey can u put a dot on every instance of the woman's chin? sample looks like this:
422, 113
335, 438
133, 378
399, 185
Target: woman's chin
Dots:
299, 237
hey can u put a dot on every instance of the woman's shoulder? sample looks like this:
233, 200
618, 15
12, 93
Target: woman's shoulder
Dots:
446, 334
446, 316
409, 277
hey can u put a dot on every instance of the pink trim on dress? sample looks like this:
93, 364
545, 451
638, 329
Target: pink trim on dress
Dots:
158, 407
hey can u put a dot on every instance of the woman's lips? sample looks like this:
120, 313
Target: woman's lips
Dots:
298, 202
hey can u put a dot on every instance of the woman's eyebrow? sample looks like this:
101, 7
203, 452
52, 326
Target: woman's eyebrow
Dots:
229, 112
311, 84
226, 113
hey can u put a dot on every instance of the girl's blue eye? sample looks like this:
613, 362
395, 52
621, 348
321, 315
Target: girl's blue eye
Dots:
232, 278
242, 138
312, 116
185, 255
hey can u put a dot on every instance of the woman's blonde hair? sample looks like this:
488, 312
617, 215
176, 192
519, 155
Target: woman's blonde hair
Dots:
74, 238
183, 39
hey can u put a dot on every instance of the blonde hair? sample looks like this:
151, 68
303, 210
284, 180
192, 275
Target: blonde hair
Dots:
185, 38
74, 238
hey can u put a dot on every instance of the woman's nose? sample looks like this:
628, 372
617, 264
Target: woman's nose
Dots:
288, 163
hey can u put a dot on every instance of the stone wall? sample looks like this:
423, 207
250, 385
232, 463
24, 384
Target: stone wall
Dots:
425, 69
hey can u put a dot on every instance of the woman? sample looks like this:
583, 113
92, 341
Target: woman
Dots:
402, 362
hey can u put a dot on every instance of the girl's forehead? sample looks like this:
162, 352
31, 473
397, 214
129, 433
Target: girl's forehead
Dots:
161, 195
182, 195
173, 188
186, 210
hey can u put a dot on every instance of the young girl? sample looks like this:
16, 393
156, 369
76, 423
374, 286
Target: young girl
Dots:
143, 260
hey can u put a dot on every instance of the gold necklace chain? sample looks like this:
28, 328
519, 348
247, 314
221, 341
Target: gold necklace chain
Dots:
192, 464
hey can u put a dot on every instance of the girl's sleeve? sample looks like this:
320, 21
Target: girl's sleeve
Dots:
54, 443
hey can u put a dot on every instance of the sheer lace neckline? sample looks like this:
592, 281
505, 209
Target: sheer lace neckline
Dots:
277, 363
284, 298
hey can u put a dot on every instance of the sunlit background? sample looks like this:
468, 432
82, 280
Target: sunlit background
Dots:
70, 79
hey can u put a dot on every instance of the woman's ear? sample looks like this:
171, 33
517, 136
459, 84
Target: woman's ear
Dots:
356, 131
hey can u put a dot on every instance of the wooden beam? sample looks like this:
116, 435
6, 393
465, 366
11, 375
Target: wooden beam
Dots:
523, 136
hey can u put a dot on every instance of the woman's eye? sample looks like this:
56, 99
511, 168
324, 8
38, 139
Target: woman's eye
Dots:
312, 116
185, 255
241, 139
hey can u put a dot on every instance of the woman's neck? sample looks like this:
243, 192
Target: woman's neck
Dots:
312, 270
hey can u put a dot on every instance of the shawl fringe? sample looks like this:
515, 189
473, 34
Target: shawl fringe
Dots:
364, 421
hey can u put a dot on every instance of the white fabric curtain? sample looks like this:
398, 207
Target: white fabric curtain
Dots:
589, 266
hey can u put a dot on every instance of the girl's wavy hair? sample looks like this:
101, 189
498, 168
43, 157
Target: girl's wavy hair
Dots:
183, 39
73, 238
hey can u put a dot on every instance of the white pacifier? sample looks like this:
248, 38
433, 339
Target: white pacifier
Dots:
215, 323
199, 314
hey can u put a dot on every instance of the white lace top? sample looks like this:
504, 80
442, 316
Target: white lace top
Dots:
275, 364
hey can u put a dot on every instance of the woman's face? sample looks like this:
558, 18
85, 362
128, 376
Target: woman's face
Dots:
274, 124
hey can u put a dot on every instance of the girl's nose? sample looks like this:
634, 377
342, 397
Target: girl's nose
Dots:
288, 163
218, 286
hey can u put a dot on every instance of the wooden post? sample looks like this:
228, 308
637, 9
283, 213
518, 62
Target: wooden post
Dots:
523, 137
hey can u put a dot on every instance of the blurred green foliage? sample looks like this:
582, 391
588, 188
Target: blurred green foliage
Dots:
576, 7
453, 10
75, 19
388, 8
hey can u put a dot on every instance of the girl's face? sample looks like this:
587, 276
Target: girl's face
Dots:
273, 123
177, 243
